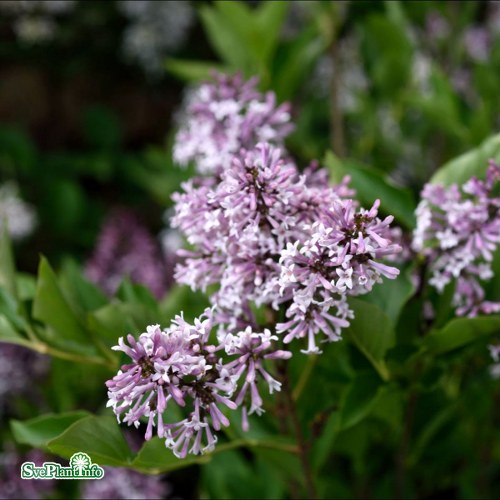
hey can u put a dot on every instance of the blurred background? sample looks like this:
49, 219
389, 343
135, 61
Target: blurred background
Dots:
91, 93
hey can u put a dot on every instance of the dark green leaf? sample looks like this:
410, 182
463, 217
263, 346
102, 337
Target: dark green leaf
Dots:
391, 295
51, 307
38, 431
472, 163
460, 332
372, 332
99, 437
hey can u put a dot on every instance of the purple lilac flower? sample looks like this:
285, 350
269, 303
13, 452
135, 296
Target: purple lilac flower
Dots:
180, 366
126, 248
124, 484
11, 484
225, 115
240, 227
340, 257
477, 44
458, 229
18, 367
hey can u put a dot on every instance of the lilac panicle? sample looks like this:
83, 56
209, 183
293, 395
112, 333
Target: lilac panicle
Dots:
125, 247
458, 230
118, 484
243, 227
225, 115
180, 366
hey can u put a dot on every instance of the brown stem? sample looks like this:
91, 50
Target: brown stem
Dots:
303, 445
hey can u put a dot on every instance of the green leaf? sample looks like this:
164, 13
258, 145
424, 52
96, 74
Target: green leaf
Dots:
371, 184
155, 458
391, 295
372, 332
359, 399
460, 332
38, 431
269, 19
227, 42
193, 71
7, 266
472, 163
83, 295
99, 437
112, 322
9, 334
51, 307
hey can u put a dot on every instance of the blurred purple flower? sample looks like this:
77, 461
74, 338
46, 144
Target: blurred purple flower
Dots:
123, 484
125, 248
19, 366
11, 484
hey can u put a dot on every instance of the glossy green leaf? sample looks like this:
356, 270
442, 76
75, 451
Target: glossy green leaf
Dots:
99, 437
372, 332
51, 307
460, 332
472, 163
38, 431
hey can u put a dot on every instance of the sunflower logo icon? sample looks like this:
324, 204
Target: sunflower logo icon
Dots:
79, 462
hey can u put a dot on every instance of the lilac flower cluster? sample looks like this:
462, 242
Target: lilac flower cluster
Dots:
267, 238
224, 116
19, 366
125, 247
11, 484
118, 484
180, 366
269, 235
458, 230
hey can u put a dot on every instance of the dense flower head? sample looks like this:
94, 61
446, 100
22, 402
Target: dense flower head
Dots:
182, 366
261, 232
126, 248
458, 230
340, 257
123, 484
225, 115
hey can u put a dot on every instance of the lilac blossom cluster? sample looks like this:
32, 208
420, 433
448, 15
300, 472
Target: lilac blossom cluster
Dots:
118, 484
125, 248
11, 484
223, 116
266, 237
458, 230
182, 366
269, 235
